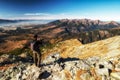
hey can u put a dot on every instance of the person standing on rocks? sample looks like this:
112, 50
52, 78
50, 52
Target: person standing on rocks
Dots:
35, 47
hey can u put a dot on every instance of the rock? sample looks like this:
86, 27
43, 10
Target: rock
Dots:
103, 71
104, 68
117, 67
115, 76
86, 76
51, 58
92, 60
19, 76
1, 74
31, 73
12, 72
4, 57
23, 55
58, 76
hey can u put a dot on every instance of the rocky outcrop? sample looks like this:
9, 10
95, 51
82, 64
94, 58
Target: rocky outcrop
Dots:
92, 36
56, 68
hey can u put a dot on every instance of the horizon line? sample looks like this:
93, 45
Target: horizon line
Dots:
56, 19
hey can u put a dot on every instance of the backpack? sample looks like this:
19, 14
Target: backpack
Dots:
34, 46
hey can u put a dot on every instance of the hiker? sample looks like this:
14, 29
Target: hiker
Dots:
35, 47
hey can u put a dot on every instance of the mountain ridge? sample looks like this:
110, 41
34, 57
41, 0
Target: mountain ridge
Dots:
85, 24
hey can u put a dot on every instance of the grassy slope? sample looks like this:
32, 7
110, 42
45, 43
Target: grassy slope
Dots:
73, 48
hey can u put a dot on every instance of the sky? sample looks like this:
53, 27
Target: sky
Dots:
60, 9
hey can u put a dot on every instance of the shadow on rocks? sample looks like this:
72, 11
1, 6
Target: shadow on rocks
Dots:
14, 59
44, 75
60, 60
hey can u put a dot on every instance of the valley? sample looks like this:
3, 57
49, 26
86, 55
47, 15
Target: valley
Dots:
60, 30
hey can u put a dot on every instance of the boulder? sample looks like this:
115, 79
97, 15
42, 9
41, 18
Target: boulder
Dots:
31, 73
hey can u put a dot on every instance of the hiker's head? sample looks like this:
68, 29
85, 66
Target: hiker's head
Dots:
35, 36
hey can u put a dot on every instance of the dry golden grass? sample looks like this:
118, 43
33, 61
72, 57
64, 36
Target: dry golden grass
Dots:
73, 48
53, 32
93, 75
79, 72
6, 66
64, 48
67, 75
11, 45
45, 28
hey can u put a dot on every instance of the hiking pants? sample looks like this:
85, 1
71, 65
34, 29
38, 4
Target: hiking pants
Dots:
37, 58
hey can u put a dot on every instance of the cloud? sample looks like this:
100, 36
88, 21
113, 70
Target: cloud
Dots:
46, 16
49, 16
43, 16
36, 14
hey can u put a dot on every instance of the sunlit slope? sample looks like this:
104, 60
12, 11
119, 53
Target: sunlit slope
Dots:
105, 48
73, 48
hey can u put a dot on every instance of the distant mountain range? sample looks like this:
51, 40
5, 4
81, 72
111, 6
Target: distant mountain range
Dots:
85, 29
78, 25
7, 21
74, 24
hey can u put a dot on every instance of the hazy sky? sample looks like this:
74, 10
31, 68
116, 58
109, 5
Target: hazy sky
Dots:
59, 9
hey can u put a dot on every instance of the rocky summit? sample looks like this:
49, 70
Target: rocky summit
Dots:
55, 66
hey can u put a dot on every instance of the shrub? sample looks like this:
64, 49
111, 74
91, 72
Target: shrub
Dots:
1, 53
16, 51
